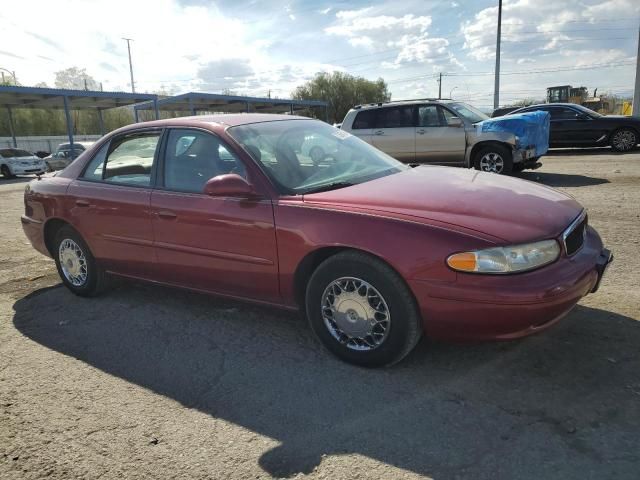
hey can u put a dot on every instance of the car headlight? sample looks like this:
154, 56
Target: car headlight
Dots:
511, 259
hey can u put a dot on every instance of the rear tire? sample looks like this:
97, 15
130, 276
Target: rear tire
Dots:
495, 159
362, 310
76, 265
624, 140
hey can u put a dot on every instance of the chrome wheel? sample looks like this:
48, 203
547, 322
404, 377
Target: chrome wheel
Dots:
492, 162
355, 313
624, 140
72, 262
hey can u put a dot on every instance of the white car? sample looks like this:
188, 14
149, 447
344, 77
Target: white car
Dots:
14, 161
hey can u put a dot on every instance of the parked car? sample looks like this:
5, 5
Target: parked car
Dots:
14, 161
499, 112
577, 126
438, 132
374, 251
65, 154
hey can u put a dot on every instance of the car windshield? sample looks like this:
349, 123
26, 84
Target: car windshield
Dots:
14, 152
468, 112
305, 156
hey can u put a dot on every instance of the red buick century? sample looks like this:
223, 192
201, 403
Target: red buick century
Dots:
375, 252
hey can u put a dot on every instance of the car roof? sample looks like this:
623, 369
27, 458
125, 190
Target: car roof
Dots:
539, 105
84, 144
224, 119
403, 102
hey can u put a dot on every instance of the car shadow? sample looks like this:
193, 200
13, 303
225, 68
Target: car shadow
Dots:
560, 179
562, 404
558, 152
8, 181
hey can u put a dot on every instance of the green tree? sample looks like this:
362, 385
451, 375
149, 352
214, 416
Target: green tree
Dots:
76, 79
342, 91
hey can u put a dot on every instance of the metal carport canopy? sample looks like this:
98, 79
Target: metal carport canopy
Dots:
14, 97
193, 102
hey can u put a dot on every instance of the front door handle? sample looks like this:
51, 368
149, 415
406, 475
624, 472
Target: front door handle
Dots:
378, 132
82, 203
421, 131
166, 214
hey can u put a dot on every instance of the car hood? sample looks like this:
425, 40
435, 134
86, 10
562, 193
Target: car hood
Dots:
507, 209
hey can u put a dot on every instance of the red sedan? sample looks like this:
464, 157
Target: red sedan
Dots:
374, 251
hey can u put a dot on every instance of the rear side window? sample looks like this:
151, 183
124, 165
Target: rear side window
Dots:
428, 116
395, 117
364, 119
125, 160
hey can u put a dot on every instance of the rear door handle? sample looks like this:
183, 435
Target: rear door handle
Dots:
166, 214
421, 131
82, 203
378, 132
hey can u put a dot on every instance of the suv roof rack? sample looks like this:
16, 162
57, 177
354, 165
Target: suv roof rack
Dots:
379, 104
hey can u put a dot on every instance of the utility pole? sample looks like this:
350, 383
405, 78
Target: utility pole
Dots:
440, 86
636, 90
128, 40
496, 87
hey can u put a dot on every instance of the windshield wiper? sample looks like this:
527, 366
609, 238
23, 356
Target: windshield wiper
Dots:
328, 186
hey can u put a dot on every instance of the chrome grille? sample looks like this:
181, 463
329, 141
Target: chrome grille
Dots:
573, 236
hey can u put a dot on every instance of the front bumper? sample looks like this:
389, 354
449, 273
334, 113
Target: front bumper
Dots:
524, 155
503, 307
28, 169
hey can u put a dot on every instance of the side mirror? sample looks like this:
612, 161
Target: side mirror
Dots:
229, 185
455, 122
582, 116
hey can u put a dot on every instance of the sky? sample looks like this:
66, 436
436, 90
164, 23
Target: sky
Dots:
269, 47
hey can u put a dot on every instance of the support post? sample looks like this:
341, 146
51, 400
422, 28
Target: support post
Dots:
11, 129
191, 109
496, 87
135, 115
291, 109
636, 91
326, 113
155, 107
67, 116
248, 107
100, 121
440, 86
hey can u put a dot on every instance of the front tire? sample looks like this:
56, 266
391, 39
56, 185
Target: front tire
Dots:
624, 140
76, 265
494, 159
362, 310
6, 172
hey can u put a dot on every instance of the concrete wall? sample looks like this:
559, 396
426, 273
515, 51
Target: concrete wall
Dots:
44, 143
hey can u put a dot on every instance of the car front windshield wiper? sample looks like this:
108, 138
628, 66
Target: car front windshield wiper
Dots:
327, 187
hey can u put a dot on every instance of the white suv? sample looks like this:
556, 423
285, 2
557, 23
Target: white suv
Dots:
438, 132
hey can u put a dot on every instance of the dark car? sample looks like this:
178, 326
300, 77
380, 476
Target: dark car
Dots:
577, 126
374, 251
499, 112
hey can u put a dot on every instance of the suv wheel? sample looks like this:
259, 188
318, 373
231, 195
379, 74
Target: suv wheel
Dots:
494, 159
6, 173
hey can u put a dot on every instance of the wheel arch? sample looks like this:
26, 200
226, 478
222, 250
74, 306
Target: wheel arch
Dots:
313, 259
51, 227
486, 143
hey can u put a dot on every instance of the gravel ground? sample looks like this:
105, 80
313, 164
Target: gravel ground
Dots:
149, 382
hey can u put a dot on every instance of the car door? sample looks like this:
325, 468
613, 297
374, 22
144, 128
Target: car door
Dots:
395, 132
570, 127
220, 244
110, 203
436, 140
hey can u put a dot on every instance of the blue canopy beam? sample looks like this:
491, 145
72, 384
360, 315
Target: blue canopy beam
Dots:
67, 116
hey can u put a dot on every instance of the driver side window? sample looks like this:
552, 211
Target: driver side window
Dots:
192, 157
